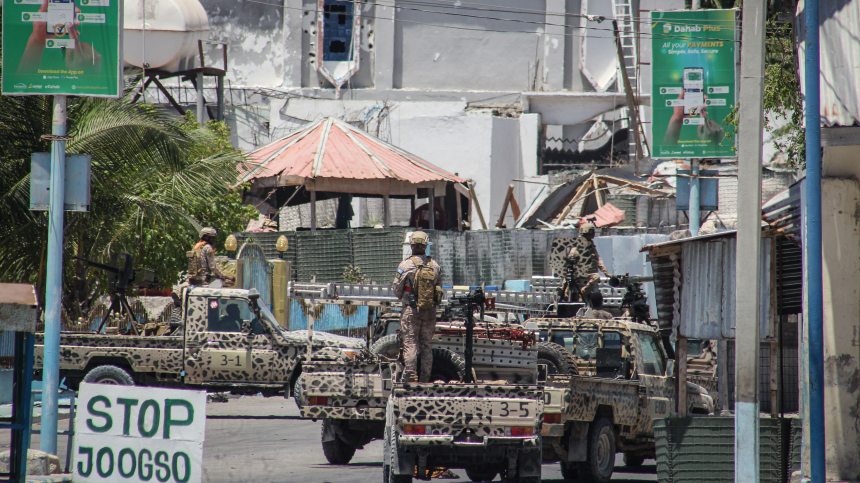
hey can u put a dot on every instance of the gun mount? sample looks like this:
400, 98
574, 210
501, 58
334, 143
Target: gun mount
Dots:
635, 298
466, 305
119, 279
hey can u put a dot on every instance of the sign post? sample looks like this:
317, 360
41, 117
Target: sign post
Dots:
59, 48
693, 74
139, 434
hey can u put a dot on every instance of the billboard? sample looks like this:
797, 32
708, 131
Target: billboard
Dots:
71, 47
694, 84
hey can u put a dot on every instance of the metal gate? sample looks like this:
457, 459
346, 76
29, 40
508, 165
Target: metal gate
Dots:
256, 271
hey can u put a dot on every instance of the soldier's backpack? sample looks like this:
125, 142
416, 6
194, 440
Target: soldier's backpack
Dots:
196, 272
424, 284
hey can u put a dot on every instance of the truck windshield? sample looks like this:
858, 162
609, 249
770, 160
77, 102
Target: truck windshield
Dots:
228, 314
587, 343
652, 356
563, 338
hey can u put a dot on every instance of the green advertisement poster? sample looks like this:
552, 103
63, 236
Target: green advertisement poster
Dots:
70, 47
694, 56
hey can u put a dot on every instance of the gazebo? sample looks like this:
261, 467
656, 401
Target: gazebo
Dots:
330, 158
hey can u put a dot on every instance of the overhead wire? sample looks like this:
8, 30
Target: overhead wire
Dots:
359, 2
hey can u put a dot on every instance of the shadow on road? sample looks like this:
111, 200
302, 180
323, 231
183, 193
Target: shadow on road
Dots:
651, 469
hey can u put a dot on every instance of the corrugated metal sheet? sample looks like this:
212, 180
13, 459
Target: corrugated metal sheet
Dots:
782, 212
840, 58
707, 289
331, 148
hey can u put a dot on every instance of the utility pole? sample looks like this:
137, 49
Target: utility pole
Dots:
695, 202
54, 282
813, 251
748, 258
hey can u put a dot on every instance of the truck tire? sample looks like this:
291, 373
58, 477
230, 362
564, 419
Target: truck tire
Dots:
109, 375
569, 471
600, 462
387, 347
447, 366
481, 474
390, 477
633, 461
297, 391
336, 451
557, 359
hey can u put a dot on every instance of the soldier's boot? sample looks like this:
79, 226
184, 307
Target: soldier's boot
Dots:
424, 378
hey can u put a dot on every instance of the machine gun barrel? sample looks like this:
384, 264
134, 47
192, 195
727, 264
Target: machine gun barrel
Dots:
100, 266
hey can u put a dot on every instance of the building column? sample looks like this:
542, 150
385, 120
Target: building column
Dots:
551, 74
383, 47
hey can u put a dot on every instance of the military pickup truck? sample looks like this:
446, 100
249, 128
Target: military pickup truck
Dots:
224, 340
350, 396
623, 384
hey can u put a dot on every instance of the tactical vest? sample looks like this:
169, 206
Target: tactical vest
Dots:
197, 273
424, 284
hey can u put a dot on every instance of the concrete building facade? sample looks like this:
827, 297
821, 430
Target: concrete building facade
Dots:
475, 88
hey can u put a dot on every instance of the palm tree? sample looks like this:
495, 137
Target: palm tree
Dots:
149, 172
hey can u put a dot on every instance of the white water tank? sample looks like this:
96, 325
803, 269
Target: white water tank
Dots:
172, 29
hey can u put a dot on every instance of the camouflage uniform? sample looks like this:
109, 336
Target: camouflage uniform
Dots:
416, 326
600, 314
586, 262
208, 264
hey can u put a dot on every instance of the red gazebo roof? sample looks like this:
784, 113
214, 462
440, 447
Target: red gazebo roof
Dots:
331, 155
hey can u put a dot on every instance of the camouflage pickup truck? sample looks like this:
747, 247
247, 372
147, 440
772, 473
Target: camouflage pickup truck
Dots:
350, 396
623, 385
224, 340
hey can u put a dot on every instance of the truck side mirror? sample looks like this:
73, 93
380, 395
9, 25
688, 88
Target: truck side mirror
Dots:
670, 368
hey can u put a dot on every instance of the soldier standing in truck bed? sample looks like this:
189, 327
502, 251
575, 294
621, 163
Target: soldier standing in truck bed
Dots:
586, 261
202, 268
418, 285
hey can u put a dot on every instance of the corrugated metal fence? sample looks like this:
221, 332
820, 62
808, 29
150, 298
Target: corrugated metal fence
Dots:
467, 258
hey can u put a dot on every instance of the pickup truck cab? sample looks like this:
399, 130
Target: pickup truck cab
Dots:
223, 340
622, 386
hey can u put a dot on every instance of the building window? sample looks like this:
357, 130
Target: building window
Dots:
337, 30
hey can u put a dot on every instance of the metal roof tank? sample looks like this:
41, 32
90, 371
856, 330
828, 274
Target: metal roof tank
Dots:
172, 29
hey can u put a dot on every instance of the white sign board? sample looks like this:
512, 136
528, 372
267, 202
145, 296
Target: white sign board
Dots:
139, 434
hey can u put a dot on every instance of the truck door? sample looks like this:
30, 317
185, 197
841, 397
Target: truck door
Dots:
217, 349
659, 390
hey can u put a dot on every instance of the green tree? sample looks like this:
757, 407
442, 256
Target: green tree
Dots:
155, 182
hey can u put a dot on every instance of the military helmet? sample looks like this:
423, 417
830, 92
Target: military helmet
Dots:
586, 228
419, 238
208, 231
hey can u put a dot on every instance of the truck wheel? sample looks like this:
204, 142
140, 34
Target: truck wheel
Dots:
447, 366
109, 375
390, 477
569, 471
297, 391
601, 452
387, 347
481, 474
632, 460
336, 451
557, 359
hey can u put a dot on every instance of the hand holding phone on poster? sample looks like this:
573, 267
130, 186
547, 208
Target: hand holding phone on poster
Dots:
62, 23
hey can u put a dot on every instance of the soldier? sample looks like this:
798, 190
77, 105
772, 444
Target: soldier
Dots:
586, 261
201, 261
597, 311
418, 284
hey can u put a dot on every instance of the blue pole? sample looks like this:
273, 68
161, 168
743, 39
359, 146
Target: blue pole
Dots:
694, 198
813, 242
54, 285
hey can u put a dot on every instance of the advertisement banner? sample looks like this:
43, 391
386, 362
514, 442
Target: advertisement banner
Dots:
138, 434
694, 57
71, 47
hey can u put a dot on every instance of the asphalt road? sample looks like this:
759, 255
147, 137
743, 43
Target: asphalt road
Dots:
261, 440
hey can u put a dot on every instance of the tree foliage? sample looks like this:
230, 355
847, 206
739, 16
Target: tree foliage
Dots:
155, 182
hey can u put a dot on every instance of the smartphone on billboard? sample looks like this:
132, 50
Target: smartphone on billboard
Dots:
60, 12
694, 90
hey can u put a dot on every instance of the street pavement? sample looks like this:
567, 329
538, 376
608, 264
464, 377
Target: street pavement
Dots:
263, 440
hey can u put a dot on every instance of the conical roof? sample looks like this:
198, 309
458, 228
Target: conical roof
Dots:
332, 155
